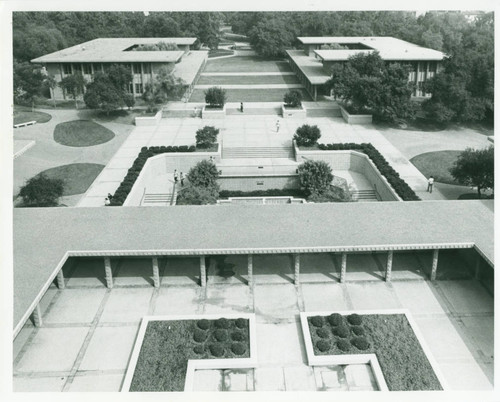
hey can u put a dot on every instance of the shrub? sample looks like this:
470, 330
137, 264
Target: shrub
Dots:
335, 319
317, 321
342, 331
307, 135
354, 319
41, 191
323, 333
197, 196
203, 324
293, 98
344, 345
238, 348
315, 176
237, 336
199, 349
222, 323
358, 330
360, 342
330, 194
216, 349
215, 97
203, 174
241, 323
220, 335
323, 345
199, 335
206, 136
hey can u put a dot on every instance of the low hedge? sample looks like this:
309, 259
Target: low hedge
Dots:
274, 192
398, 184
126, 185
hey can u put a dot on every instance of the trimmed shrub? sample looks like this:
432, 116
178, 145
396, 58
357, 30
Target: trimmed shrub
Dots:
358, 330
199, 349
238, 348
293, 99
307, 135
222, 323
42, 191
344, 345
215, 97
317, 321
241, 323
203, 324
360, 342
335, 319
315, 176
204, 174
206, 137
199, 335
237, 336
342, 331
216, 349
323, 333
354, 319
220, 335
323, 345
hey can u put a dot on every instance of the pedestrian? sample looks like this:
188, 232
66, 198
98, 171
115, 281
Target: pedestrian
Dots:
241, 107
277, 126
176, 176
106, 201
182, 179
430, 183
110, 197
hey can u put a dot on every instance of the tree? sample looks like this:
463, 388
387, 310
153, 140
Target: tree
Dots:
129, 100
271, 36
307, 135
51, 83
120, 76
204, 174
28, 82
194, 195
215, 97
293, 98
315, 176
41, 191
102, 94
160, 46
206, 136
164, 86
74, 85
475, 168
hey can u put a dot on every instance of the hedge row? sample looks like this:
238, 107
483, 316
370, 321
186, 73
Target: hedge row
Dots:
126, 185
274, 192
398, 184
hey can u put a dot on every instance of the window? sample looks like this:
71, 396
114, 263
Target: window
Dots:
67, 68
138, 88
87, 68
97, 67
146, 67
432, 67
137, 68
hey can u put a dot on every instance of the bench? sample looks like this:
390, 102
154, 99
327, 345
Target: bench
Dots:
28, 123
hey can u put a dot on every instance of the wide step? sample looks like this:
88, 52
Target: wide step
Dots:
258, 152
364, 195
157, 200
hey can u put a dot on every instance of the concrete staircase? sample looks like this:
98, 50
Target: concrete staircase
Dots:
157, 200
258, 152
364, 195
251, 111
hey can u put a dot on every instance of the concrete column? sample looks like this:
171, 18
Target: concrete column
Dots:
37, 316
60, 279
156, 272
343, 267
296, 263
109, 273
203, 272
250, 269
435, 255
388, 268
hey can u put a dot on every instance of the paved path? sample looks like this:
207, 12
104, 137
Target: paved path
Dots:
251, 86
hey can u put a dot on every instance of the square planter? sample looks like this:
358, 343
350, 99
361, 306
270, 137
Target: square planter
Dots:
355, 118
207, 113
149, 120
293, 113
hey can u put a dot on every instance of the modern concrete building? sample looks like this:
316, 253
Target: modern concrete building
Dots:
313, 64
96, 55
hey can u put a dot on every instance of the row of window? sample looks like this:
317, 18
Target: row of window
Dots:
90, 68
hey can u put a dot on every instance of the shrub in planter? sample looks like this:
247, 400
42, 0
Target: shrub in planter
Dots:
238, 348
220, 335
241, 323
222, 323
317, 321
342, 331
344, 345
206, 136
293, 99
204, 174
335, 319
199, 349
307, 135
215, 97
360, 342
354, 319
323, 333
199, 335
323, 345
216, 349
315, 176
358, 330
203, 324
237, 336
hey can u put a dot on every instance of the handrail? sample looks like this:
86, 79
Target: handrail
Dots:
143, 195
172, 198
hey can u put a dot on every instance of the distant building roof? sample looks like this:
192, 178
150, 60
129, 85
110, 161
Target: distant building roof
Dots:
109, 50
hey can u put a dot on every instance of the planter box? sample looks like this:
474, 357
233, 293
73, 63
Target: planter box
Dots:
149, 120
295, 113
213, 113
355, 118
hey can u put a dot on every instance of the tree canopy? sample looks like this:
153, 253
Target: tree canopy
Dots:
103, 94
475, 167
41, 191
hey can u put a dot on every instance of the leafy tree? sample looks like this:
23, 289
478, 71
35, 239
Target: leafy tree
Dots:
41, 191
129, 100
120, 76
160, 46
194, 195
28, 82
103, 94
315, 176
215, 97
333, 46
51, 83
36, 41
206, 136
293, 98
164, 85
204, 174
271, 36
74, 85
475, 168
307, 135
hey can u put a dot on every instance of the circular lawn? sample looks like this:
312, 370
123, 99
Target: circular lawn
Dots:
24, 115
77, 177
82, 133
437, 164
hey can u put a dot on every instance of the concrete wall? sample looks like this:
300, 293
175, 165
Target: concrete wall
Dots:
149, 120
355, 118
288, 113
259, 182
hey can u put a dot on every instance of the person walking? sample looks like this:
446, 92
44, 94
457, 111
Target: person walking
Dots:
241, 107
182, 179
176, 176
277, 126
106, 201
430, 183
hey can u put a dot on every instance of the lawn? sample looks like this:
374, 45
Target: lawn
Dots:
122, 116
436, 164
246, 64
219, 52
250, 95
81, 133
168, 345
23, 114
247, 79
77, 177
391, 338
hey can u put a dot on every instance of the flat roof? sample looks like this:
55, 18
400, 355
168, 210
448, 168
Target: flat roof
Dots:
108, 50
190, 65
45, 237
311, 67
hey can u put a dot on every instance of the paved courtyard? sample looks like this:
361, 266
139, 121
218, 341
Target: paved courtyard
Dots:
89, 330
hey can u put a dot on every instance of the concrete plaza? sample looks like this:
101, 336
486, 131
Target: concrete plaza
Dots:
89, 330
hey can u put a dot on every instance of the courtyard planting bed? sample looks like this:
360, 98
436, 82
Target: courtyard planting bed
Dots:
405, 363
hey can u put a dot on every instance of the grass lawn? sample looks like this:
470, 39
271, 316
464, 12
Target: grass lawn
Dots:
119, 116
77, 177
81, 133
219, 52
247, 79
436, 164
250, 95
246, 64
168, 345
402, 359
23, 114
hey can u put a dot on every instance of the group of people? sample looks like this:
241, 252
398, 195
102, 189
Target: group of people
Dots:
177, 177
107, 200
